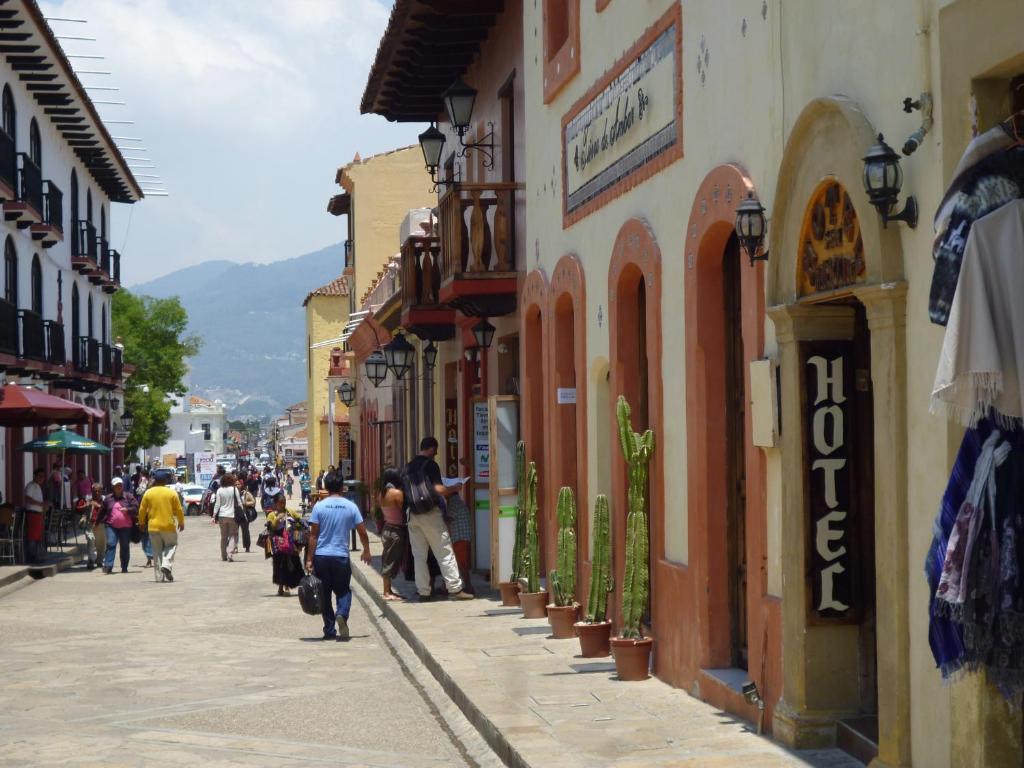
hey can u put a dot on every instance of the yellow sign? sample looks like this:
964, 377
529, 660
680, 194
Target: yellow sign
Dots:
831, 248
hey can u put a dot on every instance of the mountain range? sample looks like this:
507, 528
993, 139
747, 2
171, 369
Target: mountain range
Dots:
252, 326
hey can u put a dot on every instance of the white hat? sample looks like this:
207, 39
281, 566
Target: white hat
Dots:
117, 481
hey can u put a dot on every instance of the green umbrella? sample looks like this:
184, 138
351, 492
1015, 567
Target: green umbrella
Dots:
64, 441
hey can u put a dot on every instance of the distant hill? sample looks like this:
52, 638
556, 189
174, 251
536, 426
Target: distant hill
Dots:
252, 324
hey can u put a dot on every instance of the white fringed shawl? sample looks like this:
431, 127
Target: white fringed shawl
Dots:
983, 349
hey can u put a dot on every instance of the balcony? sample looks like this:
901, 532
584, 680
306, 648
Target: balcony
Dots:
54, 333
422, 311
102, 274
27, 208
8, 167
113, 281
8, 328
478, 271
33, 335
88, 358
83, 247
51, 230
116, 363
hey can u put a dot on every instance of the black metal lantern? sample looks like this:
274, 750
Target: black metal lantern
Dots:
114, 403
458, 101
399, 355
348, 253
128, 419
90, 401
104, 401
883, 180
430, 356
432, 144
376, 367
347, 393
484, 333
750, 227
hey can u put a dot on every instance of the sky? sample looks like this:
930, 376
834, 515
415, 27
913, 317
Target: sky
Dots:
246, 107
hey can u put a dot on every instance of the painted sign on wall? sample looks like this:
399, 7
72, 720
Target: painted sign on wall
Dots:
831, 248
828, 387
630, 117
451, 438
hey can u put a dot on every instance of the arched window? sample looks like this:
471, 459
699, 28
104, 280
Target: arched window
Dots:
88, 205
76, 320
35, 144
88, 319
37, 285
74, 197
103, 222
103, 324
10, 272
10, 116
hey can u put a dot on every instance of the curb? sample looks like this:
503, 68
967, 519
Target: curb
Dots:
64, 562
490, 732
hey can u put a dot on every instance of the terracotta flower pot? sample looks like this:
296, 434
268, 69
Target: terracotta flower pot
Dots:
632, 657
534, 604
593, 638
509, 593
561, 618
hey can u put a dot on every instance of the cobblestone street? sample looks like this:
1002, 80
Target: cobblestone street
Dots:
212, 670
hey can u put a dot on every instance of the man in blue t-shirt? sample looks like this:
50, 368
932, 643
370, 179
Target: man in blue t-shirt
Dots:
331, 526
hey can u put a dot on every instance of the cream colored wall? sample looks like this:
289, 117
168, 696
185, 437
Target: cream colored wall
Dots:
326, 316
740, 106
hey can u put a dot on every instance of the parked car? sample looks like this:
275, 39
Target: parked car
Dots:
192, 499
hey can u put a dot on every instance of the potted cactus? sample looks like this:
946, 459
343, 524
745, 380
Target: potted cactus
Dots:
563, 609
595, 629
631, 649
510, 589
532, 599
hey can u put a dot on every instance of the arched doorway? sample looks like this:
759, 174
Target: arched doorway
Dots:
533, 338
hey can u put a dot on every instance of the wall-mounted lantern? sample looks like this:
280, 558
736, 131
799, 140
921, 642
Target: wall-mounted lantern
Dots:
430, 356
376, 367
751, 226
399, 355
483, 332
883, 179
347, 393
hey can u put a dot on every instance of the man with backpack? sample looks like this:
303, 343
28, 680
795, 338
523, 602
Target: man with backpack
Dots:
427, 529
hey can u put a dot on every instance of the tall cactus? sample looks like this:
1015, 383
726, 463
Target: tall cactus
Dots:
636, 450
519, 545
566, 572
531, 551
601, 580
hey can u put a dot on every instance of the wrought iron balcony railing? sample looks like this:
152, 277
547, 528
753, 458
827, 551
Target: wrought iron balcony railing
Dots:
83, 244
8, 327
55, 350
53, 205
33, 335
30, 182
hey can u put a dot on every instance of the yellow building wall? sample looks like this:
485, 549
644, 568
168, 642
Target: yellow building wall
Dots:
326, 317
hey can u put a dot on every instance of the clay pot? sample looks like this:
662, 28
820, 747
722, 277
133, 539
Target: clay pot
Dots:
632, 657
593, 638
534, 604
561, 618
509, 593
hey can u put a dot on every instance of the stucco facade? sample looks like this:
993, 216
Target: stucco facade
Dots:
326, 316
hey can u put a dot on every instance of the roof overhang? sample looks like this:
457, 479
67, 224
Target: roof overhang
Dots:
427, 44
339, 204
32, 50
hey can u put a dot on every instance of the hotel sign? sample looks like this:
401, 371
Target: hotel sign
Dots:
828, 387
831, 248
629, 118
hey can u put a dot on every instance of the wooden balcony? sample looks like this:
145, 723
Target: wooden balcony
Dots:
422, 311
478, 270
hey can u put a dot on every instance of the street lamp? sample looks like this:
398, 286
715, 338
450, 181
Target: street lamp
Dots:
750, 228
127, 419
430, 356
883, 179
90, 401
459, 99
104, 401
483, 332
347, 393
376, 367
114, 403
432, 144
399, 355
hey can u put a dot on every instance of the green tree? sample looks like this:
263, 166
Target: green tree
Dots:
153, 332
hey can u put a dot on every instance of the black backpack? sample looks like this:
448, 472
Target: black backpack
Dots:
420, 496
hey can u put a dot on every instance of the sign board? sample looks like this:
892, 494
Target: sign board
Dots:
634, 117
566, 395
831, 248
205, 466
481, 443
828, 390
451, 438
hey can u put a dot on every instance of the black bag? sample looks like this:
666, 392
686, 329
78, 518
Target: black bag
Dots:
311, 594
136, 534
420, 496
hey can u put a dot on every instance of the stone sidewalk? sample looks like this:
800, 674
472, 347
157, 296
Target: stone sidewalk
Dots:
537, 703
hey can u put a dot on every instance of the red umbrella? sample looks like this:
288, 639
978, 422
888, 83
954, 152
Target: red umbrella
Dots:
28, 407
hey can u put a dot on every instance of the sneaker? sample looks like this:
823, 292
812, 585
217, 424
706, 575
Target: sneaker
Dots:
149, 563
124, 570
461, 595
343, 633
167, 573
331, 636
107, 571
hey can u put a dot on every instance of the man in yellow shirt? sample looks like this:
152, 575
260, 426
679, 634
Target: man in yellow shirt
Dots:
159, 511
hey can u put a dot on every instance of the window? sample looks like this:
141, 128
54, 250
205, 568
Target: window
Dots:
10, 272
35, 144
88, 205
206, 431
561, 45
10, 116
76, 320
88, 317
37, 285
74, 196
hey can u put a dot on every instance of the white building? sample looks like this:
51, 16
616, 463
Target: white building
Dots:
196, 425
60, 170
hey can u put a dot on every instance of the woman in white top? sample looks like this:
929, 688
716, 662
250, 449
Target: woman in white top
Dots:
227, 510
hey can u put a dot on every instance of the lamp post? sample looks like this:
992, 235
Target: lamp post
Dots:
883, 179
